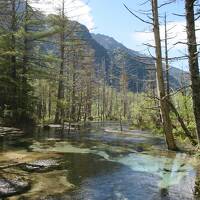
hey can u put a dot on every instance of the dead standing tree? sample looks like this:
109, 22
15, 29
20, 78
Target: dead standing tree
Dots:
193, 62
167, 125
165, 112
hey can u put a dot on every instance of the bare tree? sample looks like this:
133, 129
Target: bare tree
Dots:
166, 57
167, 125
164, 108
193, 62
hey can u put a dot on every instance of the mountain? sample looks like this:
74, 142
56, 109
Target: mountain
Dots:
139, 68
111, 44
115, 57
101, 54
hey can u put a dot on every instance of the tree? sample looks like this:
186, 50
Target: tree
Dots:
193, 62
166, 58
161, 87
61, 92
13, 16
124, 89
164, 108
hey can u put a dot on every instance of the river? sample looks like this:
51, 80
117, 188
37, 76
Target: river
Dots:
101, 163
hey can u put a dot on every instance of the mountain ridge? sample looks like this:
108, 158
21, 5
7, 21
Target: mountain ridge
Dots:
140, 62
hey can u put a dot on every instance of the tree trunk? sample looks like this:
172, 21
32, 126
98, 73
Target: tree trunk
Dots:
24, 93
80, 107
166, 58
73, 104
59, 109
13, 57
161, 87
111, 103
193, 62
49, 103
184, 127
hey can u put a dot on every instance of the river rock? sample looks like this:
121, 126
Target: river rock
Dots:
13, 186
140, 149
41, 166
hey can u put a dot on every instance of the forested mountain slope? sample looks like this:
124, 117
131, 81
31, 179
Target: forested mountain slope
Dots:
113, 57
138, 66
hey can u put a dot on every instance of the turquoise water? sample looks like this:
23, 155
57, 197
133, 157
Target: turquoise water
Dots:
102, 164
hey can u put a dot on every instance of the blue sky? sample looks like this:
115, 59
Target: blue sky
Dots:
109, 17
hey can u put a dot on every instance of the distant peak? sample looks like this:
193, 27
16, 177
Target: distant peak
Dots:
111, 44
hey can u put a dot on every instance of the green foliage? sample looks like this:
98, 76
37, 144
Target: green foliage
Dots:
145, 113
183, 104
30, 73
19, 55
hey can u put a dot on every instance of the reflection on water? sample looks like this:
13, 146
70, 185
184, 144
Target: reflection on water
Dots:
103, 164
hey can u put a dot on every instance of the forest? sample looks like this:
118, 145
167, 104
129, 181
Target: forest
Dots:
82, 116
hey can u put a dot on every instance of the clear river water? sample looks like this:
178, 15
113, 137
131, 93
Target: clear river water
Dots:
101, 163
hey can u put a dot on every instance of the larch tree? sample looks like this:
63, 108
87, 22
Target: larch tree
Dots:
12, 18
59, 108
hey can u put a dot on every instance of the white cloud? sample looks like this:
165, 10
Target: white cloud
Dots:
76, 10
177, 34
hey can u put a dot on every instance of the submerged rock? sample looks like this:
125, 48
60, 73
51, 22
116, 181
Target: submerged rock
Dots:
139, 149
53, 185
41, 166
13, 186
